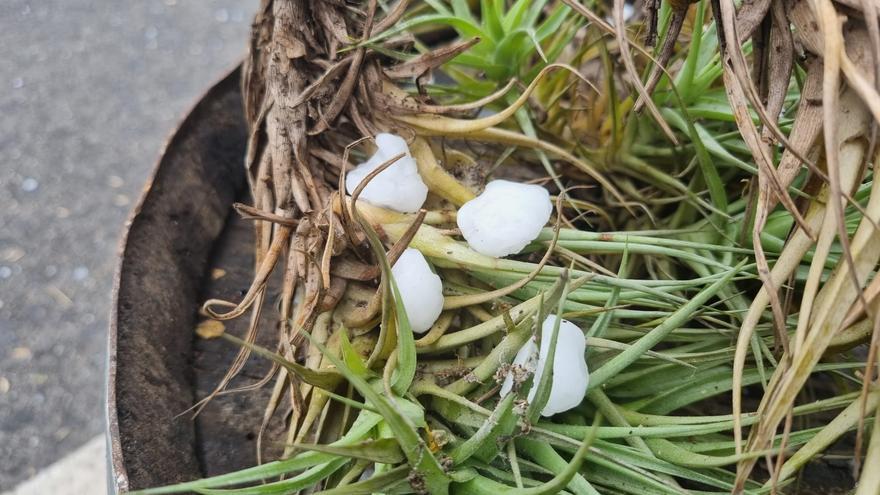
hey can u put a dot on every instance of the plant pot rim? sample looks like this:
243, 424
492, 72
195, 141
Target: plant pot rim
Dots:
204, 151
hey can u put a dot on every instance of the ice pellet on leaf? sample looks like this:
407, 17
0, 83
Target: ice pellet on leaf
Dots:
399, 187
420, 289
570, 374
505, 217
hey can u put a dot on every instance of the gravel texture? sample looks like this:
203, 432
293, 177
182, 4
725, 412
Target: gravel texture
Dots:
89, 91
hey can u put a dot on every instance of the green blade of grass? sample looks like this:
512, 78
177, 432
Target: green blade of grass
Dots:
487, 434
417, 453
545, 385
365, 422
306, 479
375, 484
566, 472
627, 357
492, 18
323, 379
383, 450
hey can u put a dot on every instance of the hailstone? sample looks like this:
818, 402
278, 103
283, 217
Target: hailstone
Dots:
505, 217
570, 374
420, 289
399, 187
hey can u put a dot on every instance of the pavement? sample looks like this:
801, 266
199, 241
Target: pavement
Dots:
89, 91
81, 472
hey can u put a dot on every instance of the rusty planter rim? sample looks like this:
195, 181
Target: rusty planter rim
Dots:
119, 480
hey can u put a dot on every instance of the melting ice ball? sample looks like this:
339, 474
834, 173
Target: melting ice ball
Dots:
570, 373
420, 289
399, 187
505, 217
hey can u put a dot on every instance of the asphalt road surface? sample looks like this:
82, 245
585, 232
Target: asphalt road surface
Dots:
89, 91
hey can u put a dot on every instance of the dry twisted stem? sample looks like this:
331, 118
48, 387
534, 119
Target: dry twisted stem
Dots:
296, 87
768, 23
819, 32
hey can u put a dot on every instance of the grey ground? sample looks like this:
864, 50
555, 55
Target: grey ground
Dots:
89, 90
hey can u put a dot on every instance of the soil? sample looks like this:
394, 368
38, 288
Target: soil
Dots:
228, 427
174, 229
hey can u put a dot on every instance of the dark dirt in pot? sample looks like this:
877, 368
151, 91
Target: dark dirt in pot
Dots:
228, 427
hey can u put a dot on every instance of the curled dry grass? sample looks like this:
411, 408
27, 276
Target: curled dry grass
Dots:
720, 246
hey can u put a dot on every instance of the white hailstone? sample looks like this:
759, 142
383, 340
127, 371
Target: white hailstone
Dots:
570, 373
420, 289
505, 217
399, 187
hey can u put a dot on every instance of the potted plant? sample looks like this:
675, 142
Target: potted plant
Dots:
507, 246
